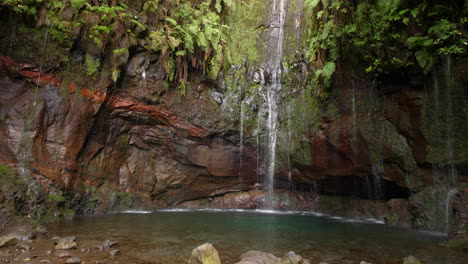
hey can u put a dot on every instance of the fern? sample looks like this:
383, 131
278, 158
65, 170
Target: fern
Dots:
170, 68
218, 6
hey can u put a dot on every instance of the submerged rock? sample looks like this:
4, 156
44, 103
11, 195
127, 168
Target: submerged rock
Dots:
114, 252
204, 254
73, 260
107, 244
411, 260
259, 257
66, 245
293, 258
23, 246
8, 240
63, 254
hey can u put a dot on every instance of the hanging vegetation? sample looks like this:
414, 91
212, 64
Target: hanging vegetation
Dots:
384, 34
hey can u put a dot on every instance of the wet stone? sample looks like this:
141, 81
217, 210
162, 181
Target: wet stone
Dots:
204, 254
114, 252
73, 260
107, 244
411, 260
293, 258
23, 246
63, 254
66, 245
29, 258
8, 240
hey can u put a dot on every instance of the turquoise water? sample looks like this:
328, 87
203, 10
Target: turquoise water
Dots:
170, 236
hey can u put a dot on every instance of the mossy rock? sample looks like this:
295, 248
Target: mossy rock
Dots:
56, 198
204, 254
459, 243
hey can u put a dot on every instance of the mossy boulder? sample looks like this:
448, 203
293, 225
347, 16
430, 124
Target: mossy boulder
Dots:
204, 254
8, 240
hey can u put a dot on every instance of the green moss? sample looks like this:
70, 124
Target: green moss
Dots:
459, 243
10, 184
92, 65
56, 198
391, 218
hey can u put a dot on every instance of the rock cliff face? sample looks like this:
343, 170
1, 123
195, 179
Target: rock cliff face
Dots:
137, 144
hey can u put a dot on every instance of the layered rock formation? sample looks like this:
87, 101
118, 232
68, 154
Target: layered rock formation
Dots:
134, 143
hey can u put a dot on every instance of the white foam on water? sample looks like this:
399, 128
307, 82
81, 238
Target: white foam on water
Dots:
275, 212
135, 212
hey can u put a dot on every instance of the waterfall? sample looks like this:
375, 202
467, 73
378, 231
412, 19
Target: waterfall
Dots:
377, 170
353, 108
442, 125
448, 204
273, 67
290, 146
449, 117
241, 132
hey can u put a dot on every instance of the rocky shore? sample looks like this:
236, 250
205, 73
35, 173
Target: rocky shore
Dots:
38, 246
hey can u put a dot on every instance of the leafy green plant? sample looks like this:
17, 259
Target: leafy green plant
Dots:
187, 30
380, 33
92, 65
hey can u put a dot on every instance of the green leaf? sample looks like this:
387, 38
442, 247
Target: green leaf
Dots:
311, 4
181, 53
406, 21
77, 4
425, 59
171, 21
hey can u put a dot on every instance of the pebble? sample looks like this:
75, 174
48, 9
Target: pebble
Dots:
63, 254
48, 252
114, 252
66, 245
23, 246
45, 261
107, 244
29, 258
73, 260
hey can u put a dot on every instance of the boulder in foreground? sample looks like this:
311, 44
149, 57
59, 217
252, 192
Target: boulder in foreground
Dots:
204, 254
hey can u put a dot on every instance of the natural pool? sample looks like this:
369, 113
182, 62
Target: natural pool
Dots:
170, 236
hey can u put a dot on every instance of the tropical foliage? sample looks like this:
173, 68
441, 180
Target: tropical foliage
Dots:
385, 34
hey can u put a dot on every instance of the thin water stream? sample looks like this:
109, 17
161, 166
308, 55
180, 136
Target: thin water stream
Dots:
274, 69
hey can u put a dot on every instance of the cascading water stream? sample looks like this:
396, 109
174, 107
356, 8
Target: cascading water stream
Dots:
274, 86
290, 146
448, 205
449, 117
241, 143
